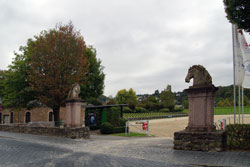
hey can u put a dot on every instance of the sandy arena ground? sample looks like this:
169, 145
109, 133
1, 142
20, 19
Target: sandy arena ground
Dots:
166, 127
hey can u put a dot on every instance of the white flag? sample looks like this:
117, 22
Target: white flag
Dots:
238, 59
245, 50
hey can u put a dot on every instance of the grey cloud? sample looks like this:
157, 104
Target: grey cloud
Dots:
142, 44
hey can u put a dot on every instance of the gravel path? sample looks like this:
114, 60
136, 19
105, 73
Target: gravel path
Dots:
23, 150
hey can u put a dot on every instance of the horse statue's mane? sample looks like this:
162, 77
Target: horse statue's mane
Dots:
200, 76
74, 91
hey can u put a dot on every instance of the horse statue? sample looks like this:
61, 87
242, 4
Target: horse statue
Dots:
201, 77
74, 91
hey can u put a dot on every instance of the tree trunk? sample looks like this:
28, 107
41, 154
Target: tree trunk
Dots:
56, 112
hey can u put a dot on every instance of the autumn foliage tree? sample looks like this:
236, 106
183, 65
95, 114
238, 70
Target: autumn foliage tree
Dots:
56, 60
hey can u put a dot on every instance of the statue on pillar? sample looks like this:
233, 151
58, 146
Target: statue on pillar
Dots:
200, 134
201, 77
74, 114
201, 99
74, 91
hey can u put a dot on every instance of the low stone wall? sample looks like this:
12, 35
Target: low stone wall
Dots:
200, 141
73, 133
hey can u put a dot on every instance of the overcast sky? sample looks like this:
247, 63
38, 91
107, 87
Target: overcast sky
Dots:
143, 44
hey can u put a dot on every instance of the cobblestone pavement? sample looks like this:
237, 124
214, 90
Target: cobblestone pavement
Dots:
23, 150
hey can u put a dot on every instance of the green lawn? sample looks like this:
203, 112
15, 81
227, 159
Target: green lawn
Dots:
227, 110
151, 114
217, 111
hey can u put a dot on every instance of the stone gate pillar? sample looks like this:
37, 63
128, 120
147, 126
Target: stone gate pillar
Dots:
73, 113
201, 109
200, 134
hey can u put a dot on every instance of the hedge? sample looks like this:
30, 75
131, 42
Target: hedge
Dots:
238, 136
140, 110
106, 128
120, 129
113, 115
127, 110
165, 110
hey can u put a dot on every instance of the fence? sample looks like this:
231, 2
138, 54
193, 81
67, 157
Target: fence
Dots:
222, 123
137, 126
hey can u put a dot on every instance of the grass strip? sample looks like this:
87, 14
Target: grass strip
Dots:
131, 134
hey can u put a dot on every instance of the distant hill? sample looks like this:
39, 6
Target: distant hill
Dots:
224, 92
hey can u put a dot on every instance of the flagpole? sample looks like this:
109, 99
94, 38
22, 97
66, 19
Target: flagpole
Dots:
239, 105
233, 36
242, 109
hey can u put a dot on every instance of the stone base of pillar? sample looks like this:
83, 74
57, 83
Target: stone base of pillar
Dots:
201, 129
200, 141
73, 113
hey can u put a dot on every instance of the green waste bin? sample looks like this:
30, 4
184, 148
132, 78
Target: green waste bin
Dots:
104, 116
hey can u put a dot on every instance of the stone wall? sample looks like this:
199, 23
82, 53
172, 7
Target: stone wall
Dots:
39, 114
200, 141
74, 133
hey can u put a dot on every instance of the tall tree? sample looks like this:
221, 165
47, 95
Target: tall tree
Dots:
238, 12
2, 77
126, 97
94, 85
14, 83
151, 103
167, 98
122, 96
57, 60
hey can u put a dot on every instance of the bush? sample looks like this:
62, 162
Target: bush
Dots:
238, 136
178, 109
127, 110
140, 110
165, 110
106, 128
120, 129
122, 122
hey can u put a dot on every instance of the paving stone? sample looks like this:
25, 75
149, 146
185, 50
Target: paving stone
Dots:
23, 150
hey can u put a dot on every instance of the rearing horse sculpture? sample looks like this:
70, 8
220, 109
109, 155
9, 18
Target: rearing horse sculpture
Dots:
200, 76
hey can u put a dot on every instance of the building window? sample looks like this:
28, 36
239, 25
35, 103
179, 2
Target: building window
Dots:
27, 117
50, 116
11, 117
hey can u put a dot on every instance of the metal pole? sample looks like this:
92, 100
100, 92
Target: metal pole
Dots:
233, 36
126, 129
239, 104
147, 127
242, 109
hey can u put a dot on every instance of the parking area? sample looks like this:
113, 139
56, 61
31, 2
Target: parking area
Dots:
24, 150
